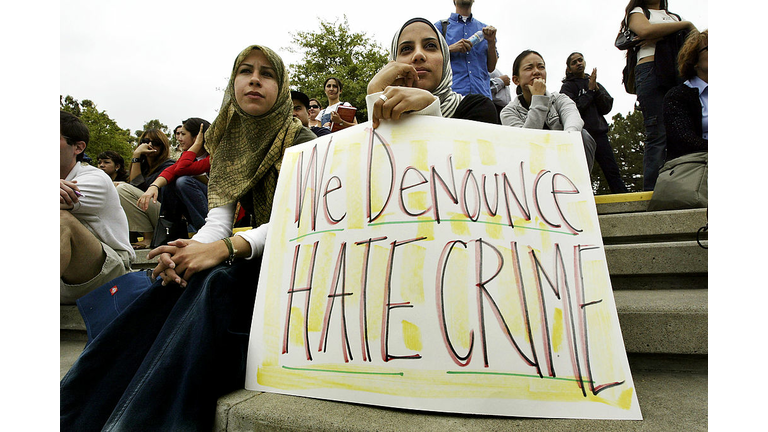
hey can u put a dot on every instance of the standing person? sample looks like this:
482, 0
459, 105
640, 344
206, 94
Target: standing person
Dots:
537, 108
300, 103
471, 64
419, 77
333, 88
184, 185
94, 246
686, 107
593, 102
650, 85
163, 363
113, 165
500, 90
150, 158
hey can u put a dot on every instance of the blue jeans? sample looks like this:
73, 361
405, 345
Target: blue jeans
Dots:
650, 96
186, 196
163, 363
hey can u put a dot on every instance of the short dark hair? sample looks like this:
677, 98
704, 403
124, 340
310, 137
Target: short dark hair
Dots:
518, 62
313, 99
122, 173
73, 130
338, 81
568, 72
301, 97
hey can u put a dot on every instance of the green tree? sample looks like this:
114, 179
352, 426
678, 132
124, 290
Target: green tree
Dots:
154, 124
335, 50
626, 135
105, 133
175, 152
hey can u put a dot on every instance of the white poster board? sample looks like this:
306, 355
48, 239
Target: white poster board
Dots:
443, 265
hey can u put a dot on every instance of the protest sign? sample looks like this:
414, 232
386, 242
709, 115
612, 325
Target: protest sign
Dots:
444, 265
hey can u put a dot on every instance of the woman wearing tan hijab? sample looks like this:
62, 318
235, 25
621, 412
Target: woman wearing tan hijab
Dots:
162, 363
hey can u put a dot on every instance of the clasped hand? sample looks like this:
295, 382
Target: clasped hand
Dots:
180, 259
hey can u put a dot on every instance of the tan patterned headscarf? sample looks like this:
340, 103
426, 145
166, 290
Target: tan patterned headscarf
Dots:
246, 151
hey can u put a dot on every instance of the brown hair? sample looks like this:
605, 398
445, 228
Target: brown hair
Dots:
158, 139
689, 53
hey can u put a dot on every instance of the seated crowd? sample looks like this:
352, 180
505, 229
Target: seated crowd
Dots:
168, 371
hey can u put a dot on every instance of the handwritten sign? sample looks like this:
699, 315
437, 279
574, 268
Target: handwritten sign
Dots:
444, 265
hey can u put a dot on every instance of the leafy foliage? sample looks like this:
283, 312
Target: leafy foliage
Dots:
626, 136
175, 151
154, 124
335, 50
105, 133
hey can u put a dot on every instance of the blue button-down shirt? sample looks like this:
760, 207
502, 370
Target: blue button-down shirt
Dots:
703, 88
470, 70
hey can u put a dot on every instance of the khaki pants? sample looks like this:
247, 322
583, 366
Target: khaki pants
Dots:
138, 219
116, 264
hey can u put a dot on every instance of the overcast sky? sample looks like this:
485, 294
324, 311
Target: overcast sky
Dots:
142, 60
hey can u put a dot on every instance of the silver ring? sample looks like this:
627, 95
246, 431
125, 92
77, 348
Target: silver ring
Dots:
383, 97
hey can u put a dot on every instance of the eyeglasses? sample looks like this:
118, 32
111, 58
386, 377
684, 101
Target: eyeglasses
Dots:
314, 107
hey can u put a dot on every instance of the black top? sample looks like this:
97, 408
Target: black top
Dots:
593, 105
682, 120
143, 180
478, 108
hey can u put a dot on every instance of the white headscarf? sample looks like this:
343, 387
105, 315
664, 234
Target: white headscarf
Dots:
449, 100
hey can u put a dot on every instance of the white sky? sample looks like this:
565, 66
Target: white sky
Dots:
142, 60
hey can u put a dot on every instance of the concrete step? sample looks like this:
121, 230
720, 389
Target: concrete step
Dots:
663, 258
644, 227
141, 262
664, 321
673, 397
623, 203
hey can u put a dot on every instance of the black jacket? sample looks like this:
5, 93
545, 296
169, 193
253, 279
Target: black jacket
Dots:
592, 104
682, 120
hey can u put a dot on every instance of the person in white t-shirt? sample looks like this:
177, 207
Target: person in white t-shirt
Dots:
333, 88
94, 243
650, 91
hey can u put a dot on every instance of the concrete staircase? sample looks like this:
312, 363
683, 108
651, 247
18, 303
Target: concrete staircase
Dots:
659, 273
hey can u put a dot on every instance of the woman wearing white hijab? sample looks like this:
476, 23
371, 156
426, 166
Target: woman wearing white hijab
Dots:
418, 75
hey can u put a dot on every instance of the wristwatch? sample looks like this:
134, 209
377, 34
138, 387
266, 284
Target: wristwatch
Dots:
135, 160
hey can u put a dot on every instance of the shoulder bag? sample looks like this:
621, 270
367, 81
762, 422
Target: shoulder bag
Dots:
682, 183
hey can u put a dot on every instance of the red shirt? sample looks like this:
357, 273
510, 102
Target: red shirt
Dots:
187, 166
